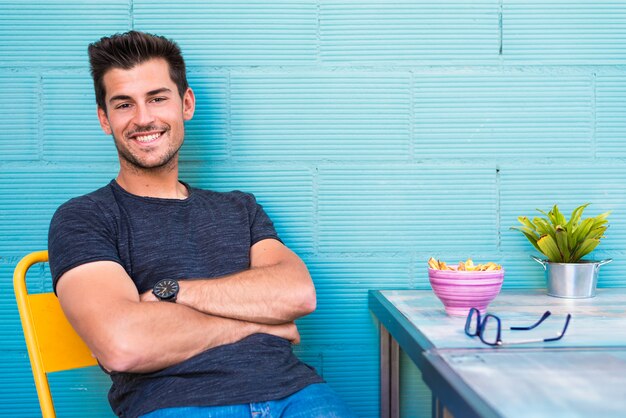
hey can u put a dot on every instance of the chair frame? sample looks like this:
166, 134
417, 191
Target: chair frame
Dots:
41, 362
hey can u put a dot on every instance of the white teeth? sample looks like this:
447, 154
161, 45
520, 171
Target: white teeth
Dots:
147, 138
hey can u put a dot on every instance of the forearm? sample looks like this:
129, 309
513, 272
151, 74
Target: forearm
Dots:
145, 337
271, 294
126, 334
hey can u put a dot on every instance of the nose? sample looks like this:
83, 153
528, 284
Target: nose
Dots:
143, 116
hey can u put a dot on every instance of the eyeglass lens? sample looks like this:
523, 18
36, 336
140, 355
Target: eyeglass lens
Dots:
490, 330
472, 323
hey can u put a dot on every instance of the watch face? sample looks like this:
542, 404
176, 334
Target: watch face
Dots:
166, 289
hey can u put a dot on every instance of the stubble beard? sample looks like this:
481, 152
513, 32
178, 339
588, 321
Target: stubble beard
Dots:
167, 163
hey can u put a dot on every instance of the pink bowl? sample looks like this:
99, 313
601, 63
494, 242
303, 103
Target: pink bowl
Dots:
459, 291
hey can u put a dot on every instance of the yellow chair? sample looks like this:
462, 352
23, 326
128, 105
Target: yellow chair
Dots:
52, 343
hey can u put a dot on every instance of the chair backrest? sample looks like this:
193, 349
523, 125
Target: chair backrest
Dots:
52, 343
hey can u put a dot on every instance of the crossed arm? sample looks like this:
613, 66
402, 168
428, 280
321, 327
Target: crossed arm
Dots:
126, 332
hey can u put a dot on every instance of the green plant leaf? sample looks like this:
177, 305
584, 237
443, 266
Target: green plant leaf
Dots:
549, 217
526, 222
561, 242
585, 248
600, 219
528, 231
531, 235
544, 227
597, 232
574, 220
582, 230
540, 211
558, 217
548, 246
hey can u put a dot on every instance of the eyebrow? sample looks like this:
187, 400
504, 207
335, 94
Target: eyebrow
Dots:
150, 93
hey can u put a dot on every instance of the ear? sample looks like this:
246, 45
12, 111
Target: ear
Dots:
104, 121
189, 104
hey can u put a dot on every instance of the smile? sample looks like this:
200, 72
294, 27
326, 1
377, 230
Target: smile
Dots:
144, 139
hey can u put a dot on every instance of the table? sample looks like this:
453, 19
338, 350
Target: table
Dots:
581, 382
415, 321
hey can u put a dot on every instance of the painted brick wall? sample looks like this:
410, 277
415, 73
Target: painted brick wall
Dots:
375, 133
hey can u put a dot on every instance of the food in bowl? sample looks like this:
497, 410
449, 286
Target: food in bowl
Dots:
463, 266
462, 288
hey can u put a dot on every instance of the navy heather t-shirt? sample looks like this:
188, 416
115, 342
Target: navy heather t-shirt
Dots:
207, 235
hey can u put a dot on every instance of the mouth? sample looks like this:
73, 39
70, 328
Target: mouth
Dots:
147, 137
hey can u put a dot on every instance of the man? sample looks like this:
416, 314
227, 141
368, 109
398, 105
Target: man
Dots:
186, 297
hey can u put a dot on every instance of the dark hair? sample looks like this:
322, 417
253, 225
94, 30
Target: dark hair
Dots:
130, 49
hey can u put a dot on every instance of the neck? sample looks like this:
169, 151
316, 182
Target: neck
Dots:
158, 183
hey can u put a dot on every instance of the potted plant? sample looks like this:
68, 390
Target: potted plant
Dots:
564, 243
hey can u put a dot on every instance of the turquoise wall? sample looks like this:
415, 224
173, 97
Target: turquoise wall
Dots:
375, 133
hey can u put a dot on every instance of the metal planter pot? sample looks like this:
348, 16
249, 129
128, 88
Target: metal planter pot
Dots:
572, 280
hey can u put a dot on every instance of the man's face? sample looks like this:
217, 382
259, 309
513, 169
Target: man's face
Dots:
145, 114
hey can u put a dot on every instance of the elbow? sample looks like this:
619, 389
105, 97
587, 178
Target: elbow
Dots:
114, 364
308, 297
308, 301
118, 362
299, 303
120, 355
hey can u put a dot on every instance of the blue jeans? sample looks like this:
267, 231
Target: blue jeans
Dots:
314, 401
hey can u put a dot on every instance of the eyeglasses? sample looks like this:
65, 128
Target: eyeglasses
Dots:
477, 326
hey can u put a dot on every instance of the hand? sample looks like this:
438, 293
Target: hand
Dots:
288, 331
148, 297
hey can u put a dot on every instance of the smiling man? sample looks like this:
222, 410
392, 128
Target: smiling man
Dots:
186, 297
146, 124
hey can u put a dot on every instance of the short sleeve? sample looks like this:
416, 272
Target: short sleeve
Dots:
80, 232
261, 226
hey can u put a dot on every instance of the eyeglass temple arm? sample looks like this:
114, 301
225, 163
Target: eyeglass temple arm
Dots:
543, 318
558, 337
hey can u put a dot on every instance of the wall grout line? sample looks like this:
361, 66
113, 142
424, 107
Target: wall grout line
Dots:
131, 13
40, 119
594, 117
501, 31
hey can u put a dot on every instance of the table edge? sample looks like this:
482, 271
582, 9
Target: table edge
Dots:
408, 336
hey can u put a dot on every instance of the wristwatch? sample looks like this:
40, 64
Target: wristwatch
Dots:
166, 289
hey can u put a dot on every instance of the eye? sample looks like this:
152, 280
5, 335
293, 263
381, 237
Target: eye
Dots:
123, 106
159, 99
